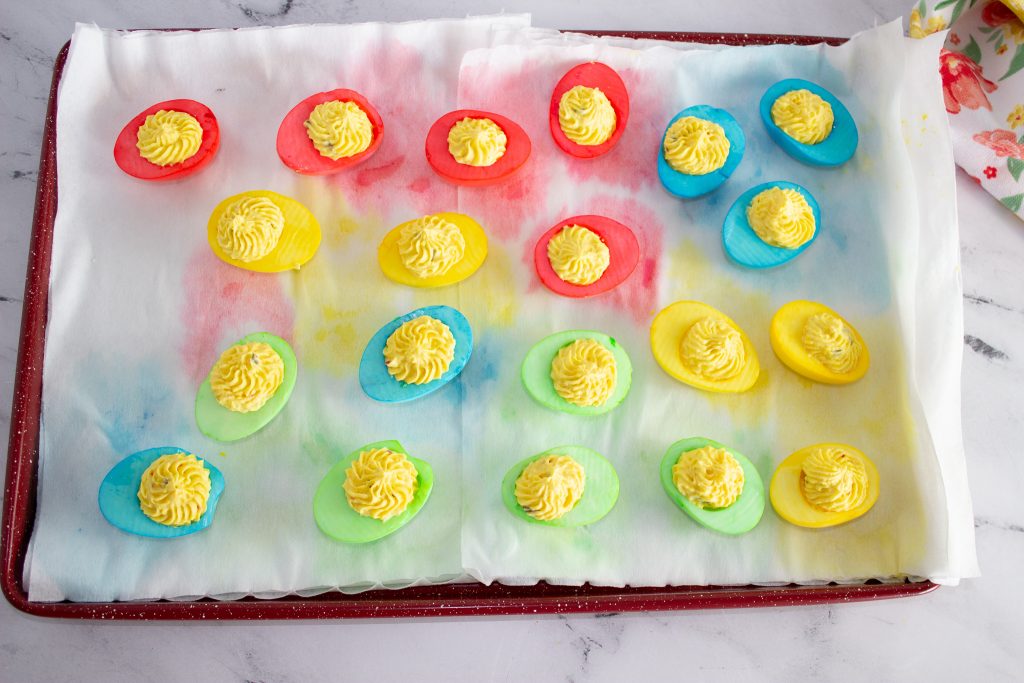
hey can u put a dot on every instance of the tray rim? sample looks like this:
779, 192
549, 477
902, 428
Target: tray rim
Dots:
447, 600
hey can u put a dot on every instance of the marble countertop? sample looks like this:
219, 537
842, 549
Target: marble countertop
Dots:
971, 632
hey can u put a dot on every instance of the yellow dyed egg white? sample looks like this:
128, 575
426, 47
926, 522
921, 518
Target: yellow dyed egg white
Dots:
787, 489
472, 248
847, 353
669, 335
290, 245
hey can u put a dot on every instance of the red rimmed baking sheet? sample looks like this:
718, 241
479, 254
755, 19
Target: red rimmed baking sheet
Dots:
445, 600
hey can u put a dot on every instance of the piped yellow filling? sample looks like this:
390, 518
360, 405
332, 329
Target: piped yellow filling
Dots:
803, 116
476, 142
419, 351
695, 146
713, 349
550, 487
380, 483
584, 373
246, 376
586, 116
781, 217
831, 342
578, 255
169, 137
175, 489
339, 129
430, 246
250, 228
710, 477
834, 480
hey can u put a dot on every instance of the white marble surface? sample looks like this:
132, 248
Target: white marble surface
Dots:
972, 632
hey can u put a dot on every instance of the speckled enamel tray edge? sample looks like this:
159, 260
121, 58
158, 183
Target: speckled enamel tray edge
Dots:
458, 599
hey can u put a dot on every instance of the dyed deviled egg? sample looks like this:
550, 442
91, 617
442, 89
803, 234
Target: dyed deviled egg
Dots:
824, 485
247, 387
167, 141
809, 123
578, 371
372, 493
433, 251
701, 346
589, 110
415, 354
161, 492
715, 485
470, 147
567, 486
263, 231
701, 148
814, 341
586, 255
770, 224
329, 132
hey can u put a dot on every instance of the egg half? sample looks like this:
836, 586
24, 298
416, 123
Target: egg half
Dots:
744, 246
473, 257
692, 186
536, 372
517, 150
667, 332
623, 248
336, 518
789, 501
119, 502
300, 237
297, 151
600, 488
221, 424
786, 334
834, 150
608, 81
377, 382
738, 518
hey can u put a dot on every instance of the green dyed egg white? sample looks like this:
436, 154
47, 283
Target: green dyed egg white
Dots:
600, 488
740, 517
337, 519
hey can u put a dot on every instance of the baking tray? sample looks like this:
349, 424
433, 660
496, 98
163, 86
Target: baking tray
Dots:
462, 599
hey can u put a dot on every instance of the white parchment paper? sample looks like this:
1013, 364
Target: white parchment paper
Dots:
140, 309
886, 258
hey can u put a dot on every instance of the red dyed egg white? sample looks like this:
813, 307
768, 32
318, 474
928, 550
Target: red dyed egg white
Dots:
623, 248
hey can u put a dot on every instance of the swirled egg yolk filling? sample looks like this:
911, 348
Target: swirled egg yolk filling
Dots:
586, 116
246, 376
578, 255
803, 116
380, 483
250, 228
710, 477
550, 486
781, 217
419, 351
831, 342
713, 349
476, 142
175, 489
430, 246
834, 480
695, 146
339, 129
584, 373
169, 137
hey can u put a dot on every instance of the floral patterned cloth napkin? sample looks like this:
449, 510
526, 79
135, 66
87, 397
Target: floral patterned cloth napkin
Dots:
982, 69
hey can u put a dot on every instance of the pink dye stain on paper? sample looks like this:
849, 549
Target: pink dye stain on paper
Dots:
219, 299
638, 294
398, 172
